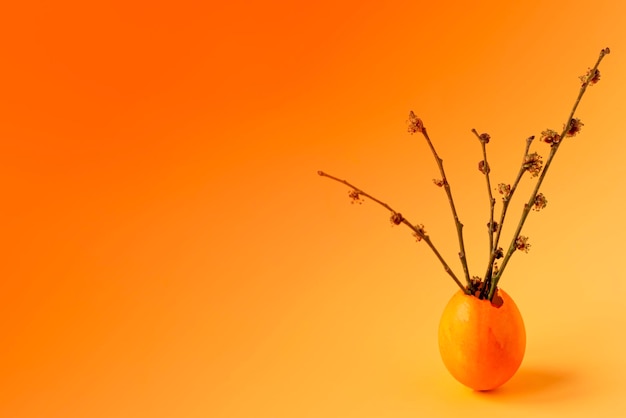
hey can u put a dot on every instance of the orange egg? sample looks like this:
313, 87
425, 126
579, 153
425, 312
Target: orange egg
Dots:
481, 345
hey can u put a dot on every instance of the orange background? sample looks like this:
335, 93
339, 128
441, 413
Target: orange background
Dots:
169, 251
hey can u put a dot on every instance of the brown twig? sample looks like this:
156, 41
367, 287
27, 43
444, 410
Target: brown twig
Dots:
419, 232
591, 78
419, 127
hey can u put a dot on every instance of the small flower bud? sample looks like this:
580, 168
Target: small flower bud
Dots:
484, 138
550, 137
574, 127
591, 77
483, 167
533, 163
494, 226
438, 182
540, 202
476, 284
476, 281
415, 124
396, 218
505, 190
355, 197
421, 234
499, 253
521, 243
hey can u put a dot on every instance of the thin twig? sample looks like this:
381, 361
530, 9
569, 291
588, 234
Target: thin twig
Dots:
486, 169
457, 223
418, 231
505, 206
533, 195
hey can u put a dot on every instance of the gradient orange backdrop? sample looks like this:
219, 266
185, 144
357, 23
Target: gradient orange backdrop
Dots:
167, 249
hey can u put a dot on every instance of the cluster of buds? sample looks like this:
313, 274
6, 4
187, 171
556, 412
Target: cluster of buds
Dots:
415, 124
521, 243
355, 197
533, 163
592, 76
421, 232
550, 137
540, 202
504, 190
575, 125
